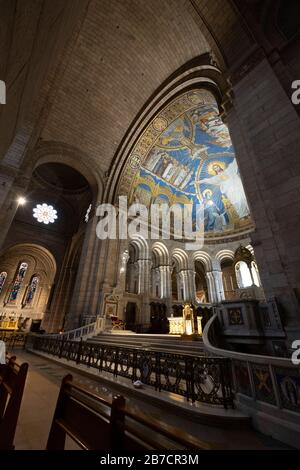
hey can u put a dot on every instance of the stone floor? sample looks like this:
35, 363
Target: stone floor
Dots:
40, 395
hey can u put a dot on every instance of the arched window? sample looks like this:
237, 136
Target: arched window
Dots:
200, 282
174, 284
3, 277
243, 275
229, 275
255, 274
32, 288
17, 282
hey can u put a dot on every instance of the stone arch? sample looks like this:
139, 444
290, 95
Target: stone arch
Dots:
181, 259
161, 254
58, 152
226, 260
201, 72
204, 258
40, 257
41, 263
225, 254
141, 247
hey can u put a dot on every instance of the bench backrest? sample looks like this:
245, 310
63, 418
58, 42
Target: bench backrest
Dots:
88, 419
95, 423
12, 382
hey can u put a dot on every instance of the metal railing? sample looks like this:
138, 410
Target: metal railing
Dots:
13, 339
79, 333
266, 380
203, 379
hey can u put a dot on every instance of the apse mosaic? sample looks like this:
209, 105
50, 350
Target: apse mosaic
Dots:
185, 156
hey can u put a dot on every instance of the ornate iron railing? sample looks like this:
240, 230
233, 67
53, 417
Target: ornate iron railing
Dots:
256, 378
13, 339
204, 379
79, 333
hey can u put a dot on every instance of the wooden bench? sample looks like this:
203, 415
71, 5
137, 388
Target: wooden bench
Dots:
95, 423
12, 382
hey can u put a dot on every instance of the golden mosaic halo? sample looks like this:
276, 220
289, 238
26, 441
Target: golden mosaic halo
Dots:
207, 191
210, 169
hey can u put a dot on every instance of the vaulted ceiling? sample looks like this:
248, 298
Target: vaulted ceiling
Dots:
124, 51
79, 71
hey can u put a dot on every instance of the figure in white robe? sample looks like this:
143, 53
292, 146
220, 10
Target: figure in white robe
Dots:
230, 184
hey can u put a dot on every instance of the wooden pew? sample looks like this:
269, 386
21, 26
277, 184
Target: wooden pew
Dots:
12, 382
95, 423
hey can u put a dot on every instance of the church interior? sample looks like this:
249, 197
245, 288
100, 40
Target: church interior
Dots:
178, 120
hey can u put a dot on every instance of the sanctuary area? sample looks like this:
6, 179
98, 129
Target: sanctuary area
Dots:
149, 224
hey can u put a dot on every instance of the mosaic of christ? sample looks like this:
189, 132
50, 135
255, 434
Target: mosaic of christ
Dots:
193, 161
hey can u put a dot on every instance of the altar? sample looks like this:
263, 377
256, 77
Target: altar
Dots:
9, 325
185, 325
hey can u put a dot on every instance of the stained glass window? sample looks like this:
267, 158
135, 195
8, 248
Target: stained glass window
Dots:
45, 214
18, 282
3, 277
31, 290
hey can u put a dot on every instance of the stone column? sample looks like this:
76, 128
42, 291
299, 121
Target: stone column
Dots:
144, 266
187, 280
267, 151
215, 286
57, 316
165, 281
10, 189
84, 288
144, 276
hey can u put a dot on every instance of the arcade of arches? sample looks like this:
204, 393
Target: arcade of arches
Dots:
198, 113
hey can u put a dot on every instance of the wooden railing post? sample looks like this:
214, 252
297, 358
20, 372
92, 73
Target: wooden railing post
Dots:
57, 435
117, 423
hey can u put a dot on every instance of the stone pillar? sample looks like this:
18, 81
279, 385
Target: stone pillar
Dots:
144, 266
84, 289
144, 276
165, 281
265, 130
215, 286
187, 280
56, 318
10, 189
155, 275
